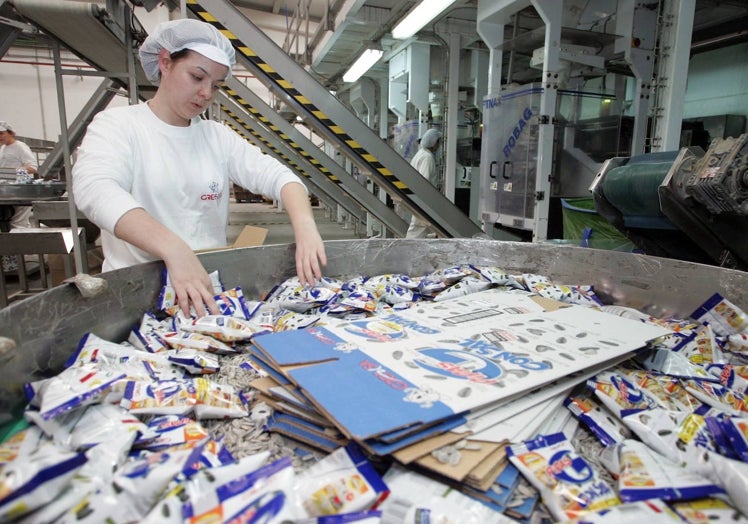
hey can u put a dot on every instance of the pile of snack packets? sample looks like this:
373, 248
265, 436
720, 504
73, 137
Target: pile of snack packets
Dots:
117, 436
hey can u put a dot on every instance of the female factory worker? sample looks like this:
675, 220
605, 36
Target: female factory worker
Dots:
156, 178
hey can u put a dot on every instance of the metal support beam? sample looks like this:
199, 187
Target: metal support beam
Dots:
285, 132
672, 72
638, 23
270, 144
98, 101
80, 266
332, 120
551, 13
451, 118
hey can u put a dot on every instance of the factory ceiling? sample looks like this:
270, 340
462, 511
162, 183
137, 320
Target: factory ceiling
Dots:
328, 35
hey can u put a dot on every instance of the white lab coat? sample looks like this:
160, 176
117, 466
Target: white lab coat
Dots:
15, 155
425, 163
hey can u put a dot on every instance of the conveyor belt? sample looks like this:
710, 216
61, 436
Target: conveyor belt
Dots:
290, 137
80, 26
332, 120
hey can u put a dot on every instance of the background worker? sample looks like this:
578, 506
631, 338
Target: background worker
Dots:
156, 178
425, 163
15, 154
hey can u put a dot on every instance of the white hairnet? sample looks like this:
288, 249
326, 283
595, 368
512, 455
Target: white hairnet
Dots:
5, 126
430, 138
185, 33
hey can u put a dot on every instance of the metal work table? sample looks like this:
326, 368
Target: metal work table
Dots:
12, 194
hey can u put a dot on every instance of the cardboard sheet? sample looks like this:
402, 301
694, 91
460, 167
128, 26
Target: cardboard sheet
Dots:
437, 360
484, 453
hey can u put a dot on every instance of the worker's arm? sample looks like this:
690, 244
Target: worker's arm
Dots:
188, 277
310, 251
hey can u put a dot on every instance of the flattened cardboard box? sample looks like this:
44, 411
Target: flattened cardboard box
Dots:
419, 366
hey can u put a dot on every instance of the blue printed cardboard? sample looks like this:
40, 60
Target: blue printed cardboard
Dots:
437, 360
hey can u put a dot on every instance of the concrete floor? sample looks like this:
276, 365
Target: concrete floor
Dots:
263, 215
279, 226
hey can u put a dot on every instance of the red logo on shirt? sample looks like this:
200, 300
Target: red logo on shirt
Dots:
214, 194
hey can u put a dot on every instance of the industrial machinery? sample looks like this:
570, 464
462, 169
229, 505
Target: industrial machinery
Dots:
588, 95
683, 204
511, 148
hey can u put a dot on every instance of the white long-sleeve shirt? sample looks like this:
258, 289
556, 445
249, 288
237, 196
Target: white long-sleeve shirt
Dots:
16, 155
181, 176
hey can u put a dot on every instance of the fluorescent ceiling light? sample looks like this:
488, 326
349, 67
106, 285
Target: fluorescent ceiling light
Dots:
364, 62
424, 13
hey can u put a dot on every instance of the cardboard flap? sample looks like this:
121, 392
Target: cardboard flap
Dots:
251, 236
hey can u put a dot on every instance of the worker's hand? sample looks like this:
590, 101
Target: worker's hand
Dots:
310, 254
191, 283
188, 277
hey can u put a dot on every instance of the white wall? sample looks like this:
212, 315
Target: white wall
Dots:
29, 93
29, 88
718, 83
28, 98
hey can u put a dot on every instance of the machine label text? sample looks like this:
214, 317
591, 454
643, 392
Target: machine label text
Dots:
526, 115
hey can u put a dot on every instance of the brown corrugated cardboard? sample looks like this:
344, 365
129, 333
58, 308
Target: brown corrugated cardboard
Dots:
250, 236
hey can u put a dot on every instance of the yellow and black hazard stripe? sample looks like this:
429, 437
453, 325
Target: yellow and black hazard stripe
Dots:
261, 139
264, 69
280, 134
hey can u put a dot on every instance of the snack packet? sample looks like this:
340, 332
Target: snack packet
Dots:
170, 397
76, 387
342, 482
219, 401
723, 316
22, 444
169, 509
226, 329
645, 474
102, 460
87, 426
568, 485
466, 286
266, 492
682, 437
652, 511
35, 477
148, 335
167, 299
110, 356
417, 498
618, 393
197, 341
232, 303
172, 431
135, 488
707, 511
606, 427
194, 362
